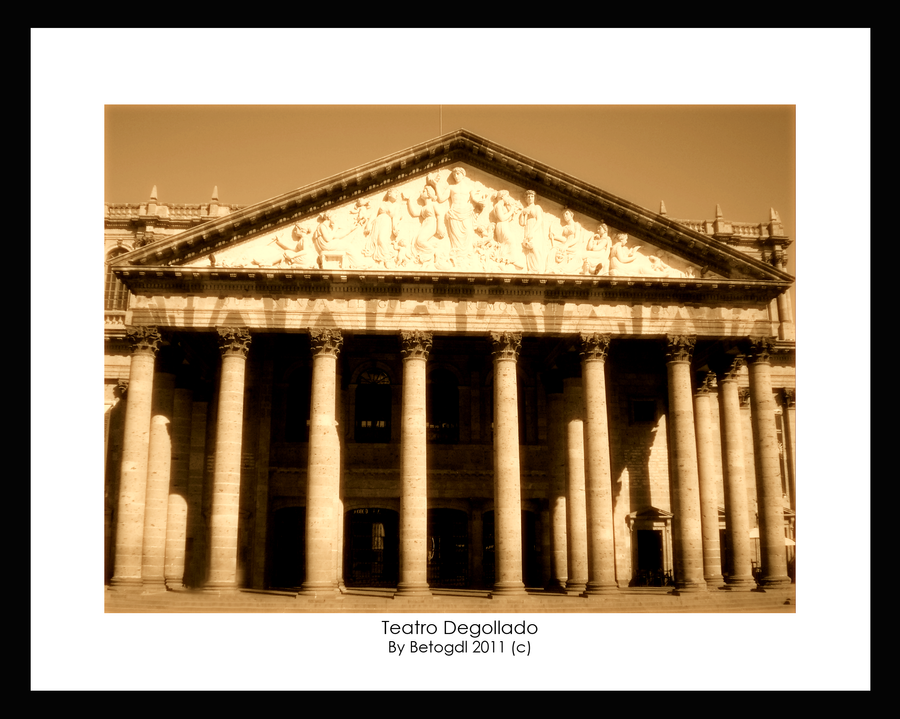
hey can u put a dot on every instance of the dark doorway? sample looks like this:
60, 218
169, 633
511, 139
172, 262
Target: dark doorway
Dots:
372, 548
287, 568
448, 548
649, 558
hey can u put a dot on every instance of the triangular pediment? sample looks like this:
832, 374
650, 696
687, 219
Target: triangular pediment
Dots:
414, 212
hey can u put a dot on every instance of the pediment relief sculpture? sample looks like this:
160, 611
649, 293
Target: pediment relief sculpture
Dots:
457, 220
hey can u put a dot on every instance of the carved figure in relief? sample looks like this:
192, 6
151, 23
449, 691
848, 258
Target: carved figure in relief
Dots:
382, 230
536, 243
426, 209
569, 239
460, 216
596, 260
326, 237
301, 255
505, 210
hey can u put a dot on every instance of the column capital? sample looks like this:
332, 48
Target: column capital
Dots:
593, 347
760, 349
326, 342
234, 341
729, 368
744, 396
680, 348
789, 397
415, 344
706, 384
506, 345
144, 340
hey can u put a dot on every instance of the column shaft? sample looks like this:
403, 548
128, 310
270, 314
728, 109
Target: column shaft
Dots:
683, 474
507, 480
556, 438
135, 447
324, 464
576, 508
768, 478
194, 542
788, 420
413, 467
709, 504
176, 518
224, 511
598, 473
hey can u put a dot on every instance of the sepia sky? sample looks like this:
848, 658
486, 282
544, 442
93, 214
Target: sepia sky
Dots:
748, 119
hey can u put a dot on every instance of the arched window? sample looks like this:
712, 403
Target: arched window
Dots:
373, 407
443, 407
116, 294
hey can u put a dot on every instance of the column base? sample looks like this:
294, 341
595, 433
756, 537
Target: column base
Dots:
508, 589
126, 584
689, 588
410, 589
739, 584
174, 585
714, 581
318, 590
154, 585
556, 587
775, 582
593, 589
575, 587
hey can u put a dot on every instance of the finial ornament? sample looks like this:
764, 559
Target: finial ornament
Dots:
415, 344
662, 207
680, 348
326, 342
594, 346
144, 340
234, 341
506, 344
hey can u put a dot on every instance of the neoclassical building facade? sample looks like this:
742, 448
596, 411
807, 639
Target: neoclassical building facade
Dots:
453, 367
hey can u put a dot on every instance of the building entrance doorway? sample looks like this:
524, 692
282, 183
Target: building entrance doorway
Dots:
288, 556
448, 548
650, 572
372, 548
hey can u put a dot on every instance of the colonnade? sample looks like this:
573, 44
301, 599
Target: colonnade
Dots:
152, 499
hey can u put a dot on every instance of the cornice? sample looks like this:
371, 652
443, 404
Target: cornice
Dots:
405, 284
710, 253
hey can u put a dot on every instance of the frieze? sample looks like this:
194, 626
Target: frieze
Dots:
234, 341
453, 220
144, 340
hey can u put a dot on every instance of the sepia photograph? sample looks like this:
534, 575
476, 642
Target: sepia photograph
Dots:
454, 381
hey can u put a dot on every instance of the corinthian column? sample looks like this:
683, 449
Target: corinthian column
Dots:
324, 464
768, 475
556, 439
413, 467
159, 470
576, 507
788, 420
507, 487
687, 535
234, 343
737, 517
709, 504
135, 446
598, 474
